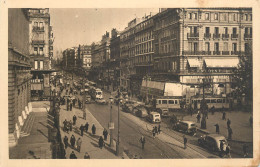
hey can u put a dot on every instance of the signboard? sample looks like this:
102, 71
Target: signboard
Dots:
111, 125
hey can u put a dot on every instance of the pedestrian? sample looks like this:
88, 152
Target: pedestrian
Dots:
159, 129
79, 102
156, 130
81, 128
142, 140
67, 106
217, 128
228, 123
245, 150
230, 132
185, 140
74, 102
64, 125
86, 127
198, 118
72, 155
70, 106
212, 110
84, 115
72, 141
224, 115
228, 151
74, 119
79, 142
105, 133
100, 142
86, 156
66, 141
251, 121
153, 131
70, 125
93, 129
221, 148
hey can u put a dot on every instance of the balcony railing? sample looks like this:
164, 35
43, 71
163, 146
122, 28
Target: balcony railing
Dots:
248, 36
216, 36
193, 35
38, 28
207, 35
216, 52
225, 52
234, 36
38, 42
234, 52
225, 36
196, 52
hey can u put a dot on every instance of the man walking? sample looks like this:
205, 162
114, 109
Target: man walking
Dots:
159, 129
72, 141
221, 148
79, 142
185, 140
66, 141
86, 127
230, 132
224, 115
84, 115
142, 140
228, 123
94, 129
100, 142
105, 133
74, 119
81, 129
198, 118
217, 128
70, 106
156, 130
153, 131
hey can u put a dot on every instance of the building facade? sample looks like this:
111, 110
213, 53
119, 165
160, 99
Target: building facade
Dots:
19, 76
193, 44
85, 60
41, 52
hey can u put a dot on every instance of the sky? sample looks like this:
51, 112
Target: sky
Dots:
74, 26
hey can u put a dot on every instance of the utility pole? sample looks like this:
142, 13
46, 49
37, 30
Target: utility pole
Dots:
118, 133
111, 123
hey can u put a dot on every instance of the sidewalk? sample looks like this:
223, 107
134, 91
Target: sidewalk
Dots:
89, 142
242, 132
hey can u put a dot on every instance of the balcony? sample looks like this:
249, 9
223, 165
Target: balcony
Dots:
38, 28
225, 36
247, 36
196, 52
216, 36
234, 52
38, 42
193, 35
207, 35
225, 52
234, 36
216, 52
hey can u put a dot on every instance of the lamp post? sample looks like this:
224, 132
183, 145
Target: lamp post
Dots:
111, 127
118, 133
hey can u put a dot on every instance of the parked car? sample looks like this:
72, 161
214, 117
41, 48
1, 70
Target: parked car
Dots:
163, 111
127, 108
101, 101
154, 117
88, 99
186, 126
212, 142
140, 111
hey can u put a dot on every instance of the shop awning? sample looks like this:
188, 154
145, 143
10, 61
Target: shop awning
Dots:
222, 63
194, 62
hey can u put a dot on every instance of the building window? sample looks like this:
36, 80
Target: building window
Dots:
35, 50
35, 24
225, 30
207, 16
216, 47
234, 30
234, 17
250, 17
195, 16
207, 30
41, 50
190, 15
234, 47
41, 24
216, 30
216, 16
207, 46
41, 65
35, 64
246, 17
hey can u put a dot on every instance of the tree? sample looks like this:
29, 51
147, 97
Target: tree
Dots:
243, 78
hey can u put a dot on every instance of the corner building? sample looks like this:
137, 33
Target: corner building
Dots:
196, 43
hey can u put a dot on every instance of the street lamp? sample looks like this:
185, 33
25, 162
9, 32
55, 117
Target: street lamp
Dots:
111, 124
118, 134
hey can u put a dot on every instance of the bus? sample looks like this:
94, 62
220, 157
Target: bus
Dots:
96, 93
217, 102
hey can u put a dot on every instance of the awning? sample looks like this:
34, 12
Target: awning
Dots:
222, 63
194, 62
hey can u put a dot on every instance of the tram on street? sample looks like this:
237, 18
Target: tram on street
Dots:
168, 102
217, 102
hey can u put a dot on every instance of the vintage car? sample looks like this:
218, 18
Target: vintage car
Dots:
188, 127
212, 142
140, 111
154, 117
101, 101
163, 111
